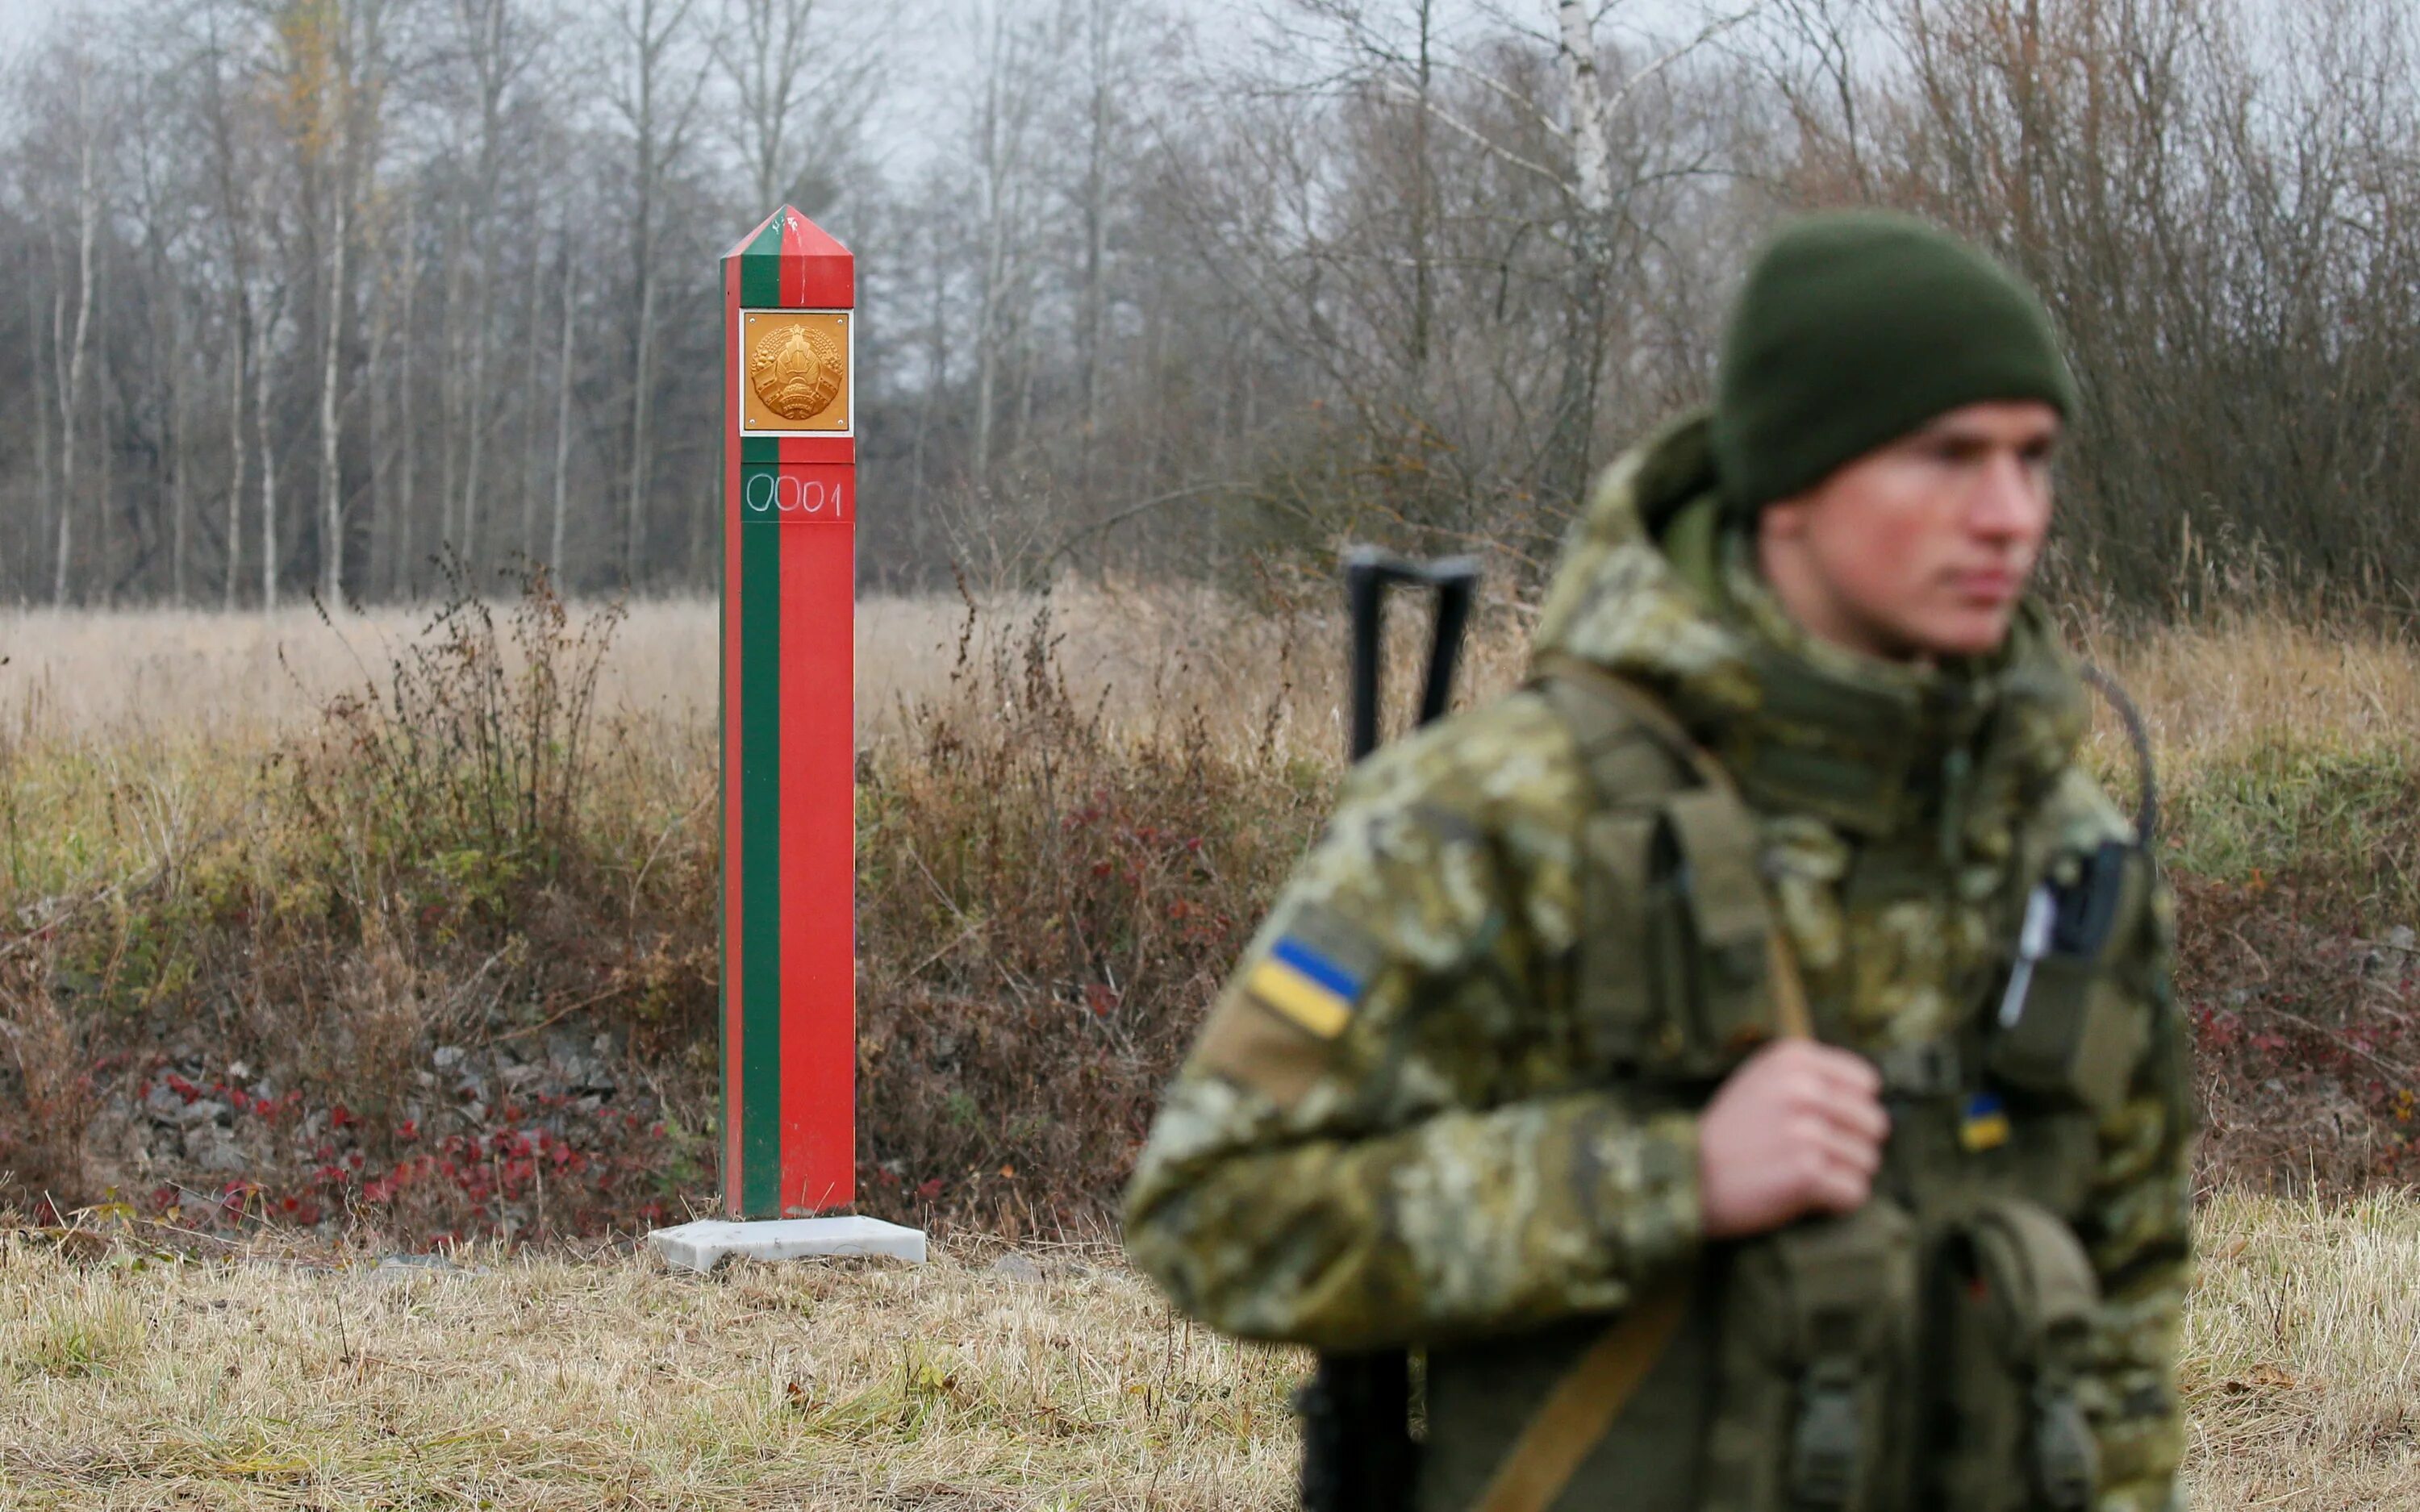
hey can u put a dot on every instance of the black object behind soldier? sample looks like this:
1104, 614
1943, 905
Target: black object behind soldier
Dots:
1358, 1450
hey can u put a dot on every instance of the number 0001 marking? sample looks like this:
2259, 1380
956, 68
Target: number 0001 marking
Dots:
777, 495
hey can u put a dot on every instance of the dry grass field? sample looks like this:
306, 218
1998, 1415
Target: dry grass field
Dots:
171, 676
1142, 652
553, 1381
1071, 811
272, 1379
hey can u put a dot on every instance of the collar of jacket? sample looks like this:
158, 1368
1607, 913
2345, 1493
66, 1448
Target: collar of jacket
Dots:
1653, 588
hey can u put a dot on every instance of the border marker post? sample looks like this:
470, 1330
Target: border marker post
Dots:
789, 757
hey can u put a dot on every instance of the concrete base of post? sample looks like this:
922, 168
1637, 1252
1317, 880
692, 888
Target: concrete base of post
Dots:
705, 1243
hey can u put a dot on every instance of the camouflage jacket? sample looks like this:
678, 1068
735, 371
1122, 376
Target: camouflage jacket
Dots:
1390, 1132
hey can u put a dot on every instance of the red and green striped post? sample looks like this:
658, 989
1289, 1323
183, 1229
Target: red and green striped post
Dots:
789, 947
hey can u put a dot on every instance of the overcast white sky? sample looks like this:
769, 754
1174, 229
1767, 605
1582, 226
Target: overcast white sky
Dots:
20, 18
941, 36
21, 21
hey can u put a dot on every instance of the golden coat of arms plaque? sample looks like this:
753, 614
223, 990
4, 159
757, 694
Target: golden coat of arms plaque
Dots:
794, 371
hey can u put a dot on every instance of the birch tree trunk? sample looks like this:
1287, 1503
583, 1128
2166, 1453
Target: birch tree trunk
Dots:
1574, 420
362, 72
563, 419
525, 476
378, 529
105, 504
475, 412
936, 372
69, 365
179, 487
262, 370
642, 360
30, 543
494, 70
1096, 225
166, 302
1584, 86
239, 371
406, 505
332, 475
653, 105
449, 378
234, 219
1002, 131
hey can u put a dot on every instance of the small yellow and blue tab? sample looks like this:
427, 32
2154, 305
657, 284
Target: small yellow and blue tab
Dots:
1307, 986
1984, 1124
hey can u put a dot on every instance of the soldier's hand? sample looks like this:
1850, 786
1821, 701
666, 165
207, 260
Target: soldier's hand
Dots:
1798, 1128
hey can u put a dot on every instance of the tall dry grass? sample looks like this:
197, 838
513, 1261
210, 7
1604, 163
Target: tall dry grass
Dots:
2255, 677
1136, 653
232, 841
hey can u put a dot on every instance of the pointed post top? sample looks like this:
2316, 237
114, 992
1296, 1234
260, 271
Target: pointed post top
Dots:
789, 262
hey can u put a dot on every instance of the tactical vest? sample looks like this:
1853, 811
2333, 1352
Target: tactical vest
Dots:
1923, 1352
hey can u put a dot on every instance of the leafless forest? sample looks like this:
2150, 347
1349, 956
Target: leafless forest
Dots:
299, 292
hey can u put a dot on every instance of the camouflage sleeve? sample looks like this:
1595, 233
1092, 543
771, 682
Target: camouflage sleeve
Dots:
2141, 1243
1369, 1144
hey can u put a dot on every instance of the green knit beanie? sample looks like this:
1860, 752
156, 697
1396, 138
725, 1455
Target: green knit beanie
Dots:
1855, 328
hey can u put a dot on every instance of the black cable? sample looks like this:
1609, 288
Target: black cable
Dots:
2147, 813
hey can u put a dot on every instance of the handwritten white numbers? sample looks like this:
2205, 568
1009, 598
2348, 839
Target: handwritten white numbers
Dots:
797, 495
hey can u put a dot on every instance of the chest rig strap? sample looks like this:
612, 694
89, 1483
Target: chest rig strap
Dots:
1641, 762
1634, 750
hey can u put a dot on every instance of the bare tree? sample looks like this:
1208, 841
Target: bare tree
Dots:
333, 62
656, 92
567, 274
263, 413
406, 502
802, 86
69, 336
1160, 302
233, 205
38, 517
1007, 141
496, 52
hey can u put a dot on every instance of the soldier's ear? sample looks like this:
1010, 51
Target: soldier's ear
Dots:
1785, 519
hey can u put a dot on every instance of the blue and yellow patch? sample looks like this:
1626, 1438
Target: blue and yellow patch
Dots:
1307, 986
1984, 1124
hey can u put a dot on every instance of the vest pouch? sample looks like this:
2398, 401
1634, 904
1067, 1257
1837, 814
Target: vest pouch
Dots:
2077, 1039
1627, 915
2017, 1297
1724, 942
1814, 1365
2068, 1032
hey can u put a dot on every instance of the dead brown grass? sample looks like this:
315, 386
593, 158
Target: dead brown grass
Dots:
2208, 690
138, 677
556, 1382
2212, 692
133, 1378
2300, 1350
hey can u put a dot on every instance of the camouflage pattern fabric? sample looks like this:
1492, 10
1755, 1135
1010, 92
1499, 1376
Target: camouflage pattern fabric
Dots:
1390, 1132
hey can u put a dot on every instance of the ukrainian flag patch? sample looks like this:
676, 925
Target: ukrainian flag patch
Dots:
1308, 986
1985, 1123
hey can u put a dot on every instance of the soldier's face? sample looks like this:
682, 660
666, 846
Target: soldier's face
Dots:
1923, 548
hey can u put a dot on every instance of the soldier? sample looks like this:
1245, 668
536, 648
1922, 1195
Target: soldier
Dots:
1742, 1059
